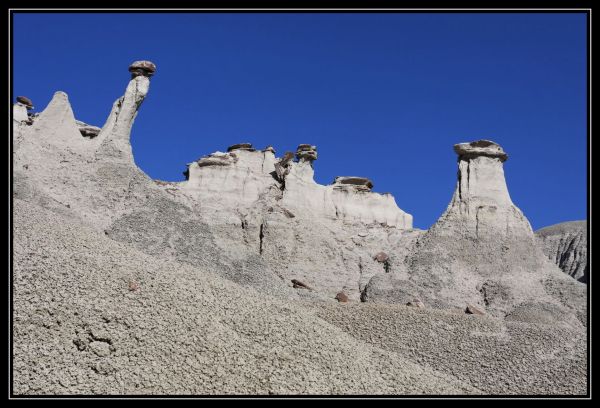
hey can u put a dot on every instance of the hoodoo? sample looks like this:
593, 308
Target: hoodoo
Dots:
481, 251
247, 276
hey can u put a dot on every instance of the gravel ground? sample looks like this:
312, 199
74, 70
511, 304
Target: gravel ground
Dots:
494, 356
94, 316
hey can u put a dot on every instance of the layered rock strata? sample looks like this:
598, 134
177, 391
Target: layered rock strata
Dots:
566, 245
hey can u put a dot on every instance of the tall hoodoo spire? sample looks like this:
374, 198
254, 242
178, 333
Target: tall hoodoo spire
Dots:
480, 175
114, 137
481, 197
481, 251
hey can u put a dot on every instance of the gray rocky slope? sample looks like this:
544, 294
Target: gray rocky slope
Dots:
124, 284
566, 245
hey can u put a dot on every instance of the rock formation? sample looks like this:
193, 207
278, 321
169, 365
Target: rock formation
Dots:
20, 109
566, 245
357, 183
142, 68
306, 152
25, 101
127, 284
89, 131
481, 252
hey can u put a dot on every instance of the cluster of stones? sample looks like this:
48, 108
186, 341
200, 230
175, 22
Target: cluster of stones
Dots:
467, 151
356, 183
306, 152
142, 68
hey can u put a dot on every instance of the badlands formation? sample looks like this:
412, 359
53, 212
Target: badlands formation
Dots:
251, 278
566, 245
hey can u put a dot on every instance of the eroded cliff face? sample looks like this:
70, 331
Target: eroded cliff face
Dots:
261, 205
264, 217
236, 180
262, 221
566, 245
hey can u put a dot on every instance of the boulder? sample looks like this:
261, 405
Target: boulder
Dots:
241, 146
90, 131
341, 297
217, 159
142, 68
288, 213
25, 101
306, 152
381, 257
487, 148
416, 303
300, 285
470, 309
362, 183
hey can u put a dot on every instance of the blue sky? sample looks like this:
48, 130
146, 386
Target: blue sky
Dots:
384, 95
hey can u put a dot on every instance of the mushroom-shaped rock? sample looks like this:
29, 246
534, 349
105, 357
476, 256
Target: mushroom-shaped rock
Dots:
358, 183
306, 152
269, 149
142, 68
241, 146
487, 148
25, 101
89, 131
